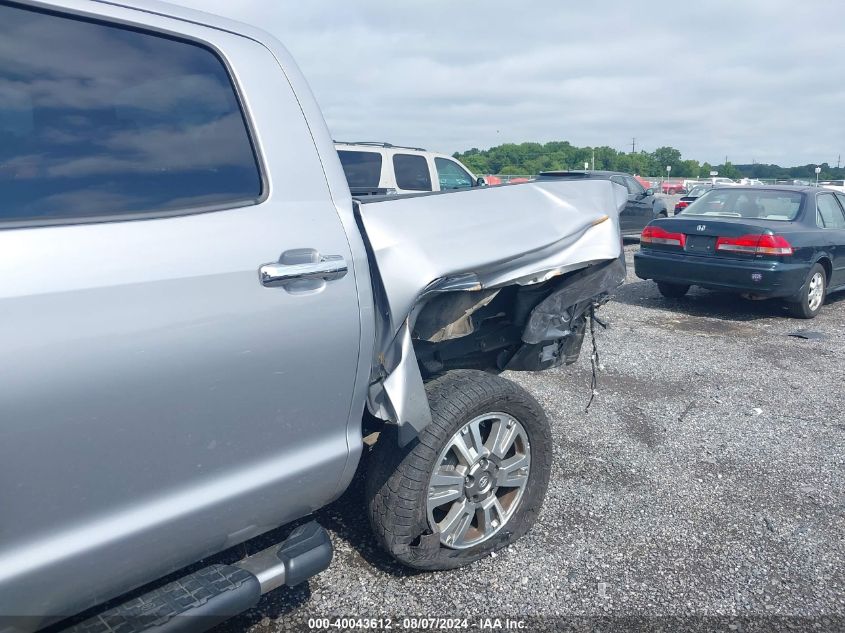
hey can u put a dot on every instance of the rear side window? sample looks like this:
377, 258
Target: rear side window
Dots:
829, 214
100, 121
411, 172
452, 175
362, 169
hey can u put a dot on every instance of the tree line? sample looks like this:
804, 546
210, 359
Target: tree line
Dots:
532, 158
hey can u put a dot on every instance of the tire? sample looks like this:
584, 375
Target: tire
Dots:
672, 291
400, 480
812, 294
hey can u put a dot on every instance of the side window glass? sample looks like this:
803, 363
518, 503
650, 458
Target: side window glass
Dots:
633, 186
411, 172
362, 169
451, 175
99, 120
830, 211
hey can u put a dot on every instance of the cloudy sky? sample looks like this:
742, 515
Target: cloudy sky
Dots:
756, 80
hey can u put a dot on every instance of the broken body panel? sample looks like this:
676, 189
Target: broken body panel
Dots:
492, 279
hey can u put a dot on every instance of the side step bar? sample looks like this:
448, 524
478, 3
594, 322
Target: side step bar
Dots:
205, 598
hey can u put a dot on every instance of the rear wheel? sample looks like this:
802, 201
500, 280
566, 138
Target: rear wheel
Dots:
811, 297
474, 480
672, 291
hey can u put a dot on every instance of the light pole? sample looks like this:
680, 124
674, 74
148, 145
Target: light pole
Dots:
668, 171
818, 171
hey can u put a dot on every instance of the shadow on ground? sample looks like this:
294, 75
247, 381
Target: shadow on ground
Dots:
700, 303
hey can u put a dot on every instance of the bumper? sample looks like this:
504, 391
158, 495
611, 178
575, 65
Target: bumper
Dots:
760, 278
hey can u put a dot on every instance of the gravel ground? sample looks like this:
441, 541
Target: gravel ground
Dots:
706, 480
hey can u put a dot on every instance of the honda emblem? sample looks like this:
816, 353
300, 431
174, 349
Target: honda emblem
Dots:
701, 227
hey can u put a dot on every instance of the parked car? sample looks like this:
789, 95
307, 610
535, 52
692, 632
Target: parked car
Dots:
778, 241
836, 185
696, 192
200, 325
382, 168
642, 206
673, 188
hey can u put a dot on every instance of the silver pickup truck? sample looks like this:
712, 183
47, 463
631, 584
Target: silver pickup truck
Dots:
199, 326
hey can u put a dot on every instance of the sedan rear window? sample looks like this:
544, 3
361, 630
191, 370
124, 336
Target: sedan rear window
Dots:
362, 169
758, 204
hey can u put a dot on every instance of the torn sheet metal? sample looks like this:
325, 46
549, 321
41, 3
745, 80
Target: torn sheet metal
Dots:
553, 317
455, 311
400, 397
479, 240
489, 237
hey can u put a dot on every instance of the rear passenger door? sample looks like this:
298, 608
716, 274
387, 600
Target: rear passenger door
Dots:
831, 218
412, 173
157, 402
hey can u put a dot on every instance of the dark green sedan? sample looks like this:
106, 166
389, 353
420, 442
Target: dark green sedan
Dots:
764, 241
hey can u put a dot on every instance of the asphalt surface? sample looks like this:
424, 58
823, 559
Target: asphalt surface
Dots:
706, 482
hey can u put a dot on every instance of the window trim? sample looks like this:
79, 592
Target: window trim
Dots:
249, 124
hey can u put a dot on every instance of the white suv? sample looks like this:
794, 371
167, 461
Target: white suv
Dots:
382, 168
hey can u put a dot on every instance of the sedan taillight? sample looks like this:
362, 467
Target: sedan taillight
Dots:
765, 244
658, 235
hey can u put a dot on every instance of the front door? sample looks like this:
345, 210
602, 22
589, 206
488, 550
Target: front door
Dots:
157, 402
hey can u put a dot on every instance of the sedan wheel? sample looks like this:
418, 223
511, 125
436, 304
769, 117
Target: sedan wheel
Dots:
812, 295
815, 294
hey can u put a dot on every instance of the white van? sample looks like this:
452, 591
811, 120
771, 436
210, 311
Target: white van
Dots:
382, 168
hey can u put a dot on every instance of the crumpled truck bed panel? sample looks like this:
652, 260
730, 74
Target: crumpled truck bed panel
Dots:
489, 237
478, 239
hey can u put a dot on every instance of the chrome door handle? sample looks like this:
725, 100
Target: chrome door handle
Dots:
328, 268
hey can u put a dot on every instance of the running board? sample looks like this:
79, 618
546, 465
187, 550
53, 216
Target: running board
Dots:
205, 598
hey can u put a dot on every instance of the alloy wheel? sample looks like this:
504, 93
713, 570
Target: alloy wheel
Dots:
815, 292
478, 480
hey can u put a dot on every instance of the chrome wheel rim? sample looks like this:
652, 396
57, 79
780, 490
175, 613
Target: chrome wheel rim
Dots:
479, 480
815, 293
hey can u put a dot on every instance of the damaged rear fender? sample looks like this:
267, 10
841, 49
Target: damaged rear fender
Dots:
479, 296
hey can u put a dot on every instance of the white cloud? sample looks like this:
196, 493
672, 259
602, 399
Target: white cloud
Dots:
757, 80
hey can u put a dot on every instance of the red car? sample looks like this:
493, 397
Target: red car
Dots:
673, 187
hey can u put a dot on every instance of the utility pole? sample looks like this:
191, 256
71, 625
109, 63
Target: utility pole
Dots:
594, 160
634, 145
838, 160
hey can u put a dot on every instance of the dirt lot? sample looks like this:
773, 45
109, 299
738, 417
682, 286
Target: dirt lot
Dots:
707, 479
